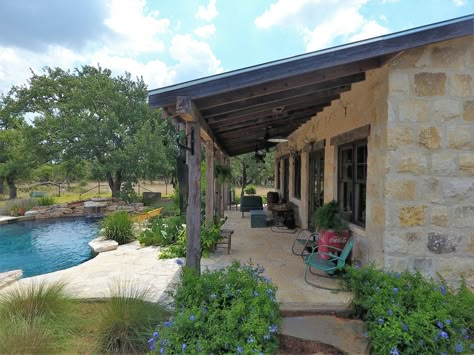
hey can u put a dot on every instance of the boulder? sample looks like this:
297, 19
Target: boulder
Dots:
100, 245
95, 204
9, 277
31, 213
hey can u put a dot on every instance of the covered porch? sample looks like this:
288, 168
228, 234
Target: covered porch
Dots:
272, 250
371, 124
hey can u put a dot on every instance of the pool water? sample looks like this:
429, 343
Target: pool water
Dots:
39, 247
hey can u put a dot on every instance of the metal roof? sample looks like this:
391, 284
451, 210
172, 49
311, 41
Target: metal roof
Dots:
244, 107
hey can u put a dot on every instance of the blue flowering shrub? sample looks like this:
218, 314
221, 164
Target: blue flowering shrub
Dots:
233, 310
408, 314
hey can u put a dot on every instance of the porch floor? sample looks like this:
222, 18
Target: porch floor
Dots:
272, 250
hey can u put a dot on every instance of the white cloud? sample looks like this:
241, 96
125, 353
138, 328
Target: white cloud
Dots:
205, 31
369, 30
195, 58
138, 29
136, 41
322, 23
207, 13
459, 2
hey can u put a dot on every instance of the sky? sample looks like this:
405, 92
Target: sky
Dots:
171, 41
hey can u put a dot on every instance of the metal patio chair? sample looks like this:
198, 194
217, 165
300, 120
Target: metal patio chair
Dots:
336, 260
305, 242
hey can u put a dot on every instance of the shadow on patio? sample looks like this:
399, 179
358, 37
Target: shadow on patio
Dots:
273, 251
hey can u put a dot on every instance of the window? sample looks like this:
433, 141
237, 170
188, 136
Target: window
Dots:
297, 175
352, 180
286, 179
277, 177
316, 184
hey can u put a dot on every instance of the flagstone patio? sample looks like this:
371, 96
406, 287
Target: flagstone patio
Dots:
272, 250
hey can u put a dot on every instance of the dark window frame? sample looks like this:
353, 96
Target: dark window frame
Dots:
352, 181
297, 175
277, 177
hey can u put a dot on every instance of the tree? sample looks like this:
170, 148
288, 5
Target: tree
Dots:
89, 114
247, 169
16, 156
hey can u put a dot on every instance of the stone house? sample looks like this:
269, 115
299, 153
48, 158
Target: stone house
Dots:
384, 126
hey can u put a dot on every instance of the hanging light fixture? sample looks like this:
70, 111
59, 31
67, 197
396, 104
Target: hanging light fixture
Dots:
277, 139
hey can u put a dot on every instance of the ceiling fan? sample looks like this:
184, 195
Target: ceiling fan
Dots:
259, 156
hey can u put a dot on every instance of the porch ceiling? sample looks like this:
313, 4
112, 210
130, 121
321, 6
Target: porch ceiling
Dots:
244, 107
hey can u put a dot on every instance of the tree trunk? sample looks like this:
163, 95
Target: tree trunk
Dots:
116, 183
11, 187
1, 186
244, 178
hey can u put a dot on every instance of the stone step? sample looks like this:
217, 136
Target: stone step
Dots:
346, 335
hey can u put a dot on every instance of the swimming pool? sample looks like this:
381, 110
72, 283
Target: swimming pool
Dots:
39, 247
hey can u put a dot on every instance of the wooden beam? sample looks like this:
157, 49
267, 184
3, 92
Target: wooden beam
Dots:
259, 131
193, 211
304, 98
268, 121
276, 97
266, 110
188, 111
352, 135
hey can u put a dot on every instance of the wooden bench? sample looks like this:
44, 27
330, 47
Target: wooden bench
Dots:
226, 240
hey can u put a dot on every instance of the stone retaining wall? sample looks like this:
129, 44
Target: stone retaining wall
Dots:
95, 206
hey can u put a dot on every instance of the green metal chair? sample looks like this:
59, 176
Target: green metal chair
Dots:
304, 243
333, 263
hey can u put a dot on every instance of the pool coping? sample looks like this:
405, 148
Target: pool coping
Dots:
10, 220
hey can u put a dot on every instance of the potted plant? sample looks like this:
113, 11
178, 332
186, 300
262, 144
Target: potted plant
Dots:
332, 228
223, 173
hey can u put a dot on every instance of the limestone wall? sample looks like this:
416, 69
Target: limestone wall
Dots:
365, 104
429, 192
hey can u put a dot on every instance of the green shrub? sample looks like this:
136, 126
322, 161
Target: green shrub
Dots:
83, 183
127, 319
162, 231
209, 237
408, 314
128, 193
118, 227
226, 311
18, 207
250, 190
175, 250
46, 201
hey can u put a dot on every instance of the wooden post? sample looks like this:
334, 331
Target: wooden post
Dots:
221, 192
226, 185
209, 182
189, 113
217, 191
193, 211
